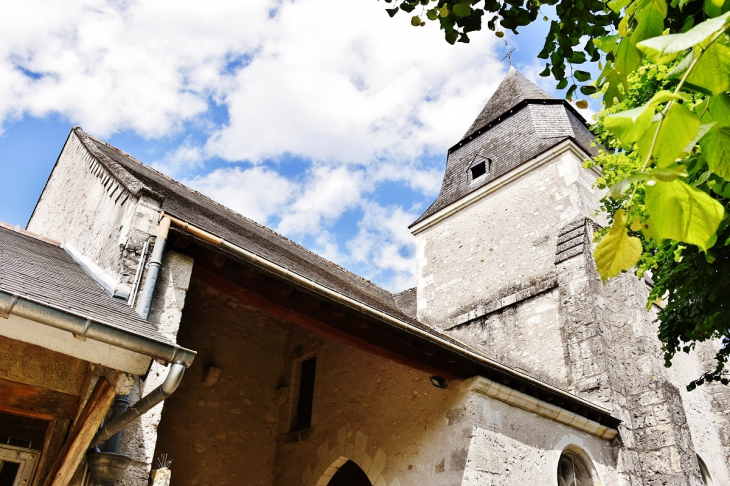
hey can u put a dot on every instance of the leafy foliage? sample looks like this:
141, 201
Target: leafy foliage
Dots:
665, 133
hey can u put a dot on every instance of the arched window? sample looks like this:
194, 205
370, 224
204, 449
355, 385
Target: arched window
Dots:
573, 471
349, 474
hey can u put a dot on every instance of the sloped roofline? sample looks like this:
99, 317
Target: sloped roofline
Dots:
514, 110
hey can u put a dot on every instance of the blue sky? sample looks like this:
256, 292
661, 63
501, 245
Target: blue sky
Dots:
329, 126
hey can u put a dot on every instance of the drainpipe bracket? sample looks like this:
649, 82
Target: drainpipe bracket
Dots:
6, 311
82, 335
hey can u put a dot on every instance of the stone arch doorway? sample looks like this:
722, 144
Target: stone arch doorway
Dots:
349, 474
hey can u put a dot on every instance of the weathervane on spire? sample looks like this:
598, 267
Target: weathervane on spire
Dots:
509, 53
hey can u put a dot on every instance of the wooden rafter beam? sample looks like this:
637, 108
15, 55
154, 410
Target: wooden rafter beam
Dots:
82, 433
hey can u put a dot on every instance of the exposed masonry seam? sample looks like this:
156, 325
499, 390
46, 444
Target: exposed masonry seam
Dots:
358, 306
506, 301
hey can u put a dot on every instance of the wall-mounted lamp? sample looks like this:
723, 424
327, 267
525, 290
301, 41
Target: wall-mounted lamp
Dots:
439, 382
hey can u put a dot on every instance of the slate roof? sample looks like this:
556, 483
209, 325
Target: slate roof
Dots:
38, 270
519, 122
191, 206
513, 89
197, 209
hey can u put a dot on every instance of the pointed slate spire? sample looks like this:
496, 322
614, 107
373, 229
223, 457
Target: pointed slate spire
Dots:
514, 89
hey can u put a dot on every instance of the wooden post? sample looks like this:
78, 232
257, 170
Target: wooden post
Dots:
82, 433
52, 446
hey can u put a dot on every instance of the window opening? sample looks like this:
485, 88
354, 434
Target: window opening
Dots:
479, 167
8, 473
478, 170
572, 471
306, 395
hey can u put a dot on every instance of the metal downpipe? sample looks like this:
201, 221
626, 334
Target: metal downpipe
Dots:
153, 271
168, 387
121, 405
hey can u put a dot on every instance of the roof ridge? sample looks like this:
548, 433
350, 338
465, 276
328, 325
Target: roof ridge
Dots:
131, 183
237, 214
30, 234
514, 89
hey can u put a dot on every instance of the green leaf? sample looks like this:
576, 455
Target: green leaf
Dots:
720, 109
444, 10
678, 128
704, 128
628, 58
462, 9
664, 49
562, 84
711, 71
432, 14
663, 96
612, 90
668, 174
617, 251
578, 57
545, 72
392, 11
716, 149
679, 70
617, 5
617, 190
588, 90
678, 211
630, 125
582, 76
415, 21
650, 21
608, 43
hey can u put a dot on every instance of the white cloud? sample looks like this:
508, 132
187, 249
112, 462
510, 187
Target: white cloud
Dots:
360, 98
384, 246
257, 193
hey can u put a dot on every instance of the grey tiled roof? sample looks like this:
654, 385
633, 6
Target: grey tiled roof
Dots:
197, 209
45, 273
525, 129
513, 89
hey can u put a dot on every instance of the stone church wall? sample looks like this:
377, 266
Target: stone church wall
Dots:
504, 240
235, 428
94, 216
105, 227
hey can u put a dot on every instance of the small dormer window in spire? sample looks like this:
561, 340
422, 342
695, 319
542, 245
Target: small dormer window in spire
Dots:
479, 167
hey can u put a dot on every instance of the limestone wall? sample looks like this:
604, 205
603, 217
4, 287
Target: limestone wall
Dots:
232, 426
86, 209
507, 238
221, 427
105, 226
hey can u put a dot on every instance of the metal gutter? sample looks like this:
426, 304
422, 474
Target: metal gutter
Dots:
84, 327
369, 311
